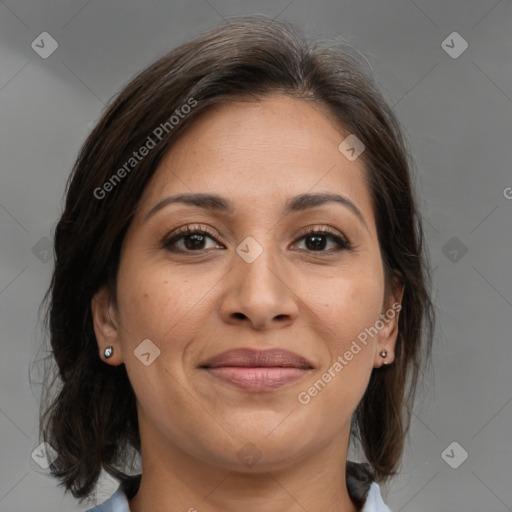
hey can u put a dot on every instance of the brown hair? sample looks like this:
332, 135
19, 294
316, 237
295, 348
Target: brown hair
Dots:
92, 420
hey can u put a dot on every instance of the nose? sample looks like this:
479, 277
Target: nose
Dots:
259, 293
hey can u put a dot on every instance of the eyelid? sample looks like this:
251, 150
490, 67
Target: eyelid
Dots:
190, 229
323, 229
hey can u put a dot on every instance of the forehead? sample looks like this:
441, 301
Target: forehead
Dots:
260, 153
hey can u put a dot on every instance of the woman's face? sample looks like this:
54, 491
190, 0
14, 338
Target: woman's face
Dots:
256, 278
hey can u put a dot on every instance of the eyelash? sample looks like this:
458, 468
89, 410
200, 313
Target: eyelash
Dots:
169, 241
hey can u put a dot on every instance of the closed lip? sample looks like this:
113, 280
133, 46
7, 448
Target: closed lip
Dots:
252, 358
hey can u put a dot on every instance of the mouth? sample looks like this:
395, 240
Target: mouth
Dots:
257, 370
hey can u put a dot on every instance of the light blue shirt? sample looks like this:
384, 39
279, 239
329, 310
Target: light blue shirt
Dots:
118, 502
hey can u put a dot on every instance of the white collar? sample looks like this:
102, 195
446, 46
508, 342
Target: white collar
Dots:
118, 502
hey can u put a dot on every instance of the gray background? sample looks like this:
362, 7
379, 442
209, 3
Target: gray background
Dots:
457, 117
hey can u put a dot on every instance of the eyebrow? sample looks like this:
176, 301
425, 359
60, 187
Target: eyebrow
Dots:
218, 203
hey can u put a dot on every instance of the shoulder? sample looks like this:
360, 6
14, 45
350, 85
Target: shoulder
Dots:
118, 502
374, 501
362, 488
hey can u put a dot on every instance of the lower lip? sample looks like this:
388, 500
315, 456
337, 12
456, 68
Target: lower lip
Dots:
257, 378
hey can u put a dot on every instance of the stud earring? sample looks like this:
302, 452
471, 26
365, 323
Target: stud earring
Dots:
384, 353
108, 352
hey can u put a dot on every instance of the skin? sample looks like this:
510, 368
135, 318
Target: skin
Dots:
197, 304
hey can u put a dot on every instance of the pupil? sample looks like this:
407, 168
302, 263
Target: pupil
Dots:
318, 244
196, 241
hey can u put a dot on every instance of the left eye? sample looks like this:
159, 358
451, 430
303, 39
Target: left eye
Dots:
318, 241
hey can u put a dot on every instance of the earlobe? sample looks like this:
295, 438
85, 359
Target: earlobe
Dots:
105, 327
389, 333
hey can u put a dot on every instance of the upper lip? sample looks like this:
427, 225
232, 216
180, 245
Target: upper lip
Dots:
253, 358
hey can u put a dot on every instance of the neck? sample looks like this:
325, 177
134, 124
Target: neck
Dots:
174, 480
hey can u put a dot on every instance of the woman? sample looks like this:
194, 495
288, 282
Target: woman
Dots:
240, 286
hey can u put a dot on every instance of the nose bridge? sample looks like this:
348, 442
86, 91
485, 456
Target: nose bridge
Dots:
259, 260
257, 287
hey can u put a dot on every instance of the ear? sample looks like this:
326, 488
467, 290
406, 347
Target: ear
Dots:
389, 317
106, 326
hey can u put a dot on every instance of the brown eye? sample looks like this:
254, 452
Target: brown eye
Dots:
188, 240
316, 240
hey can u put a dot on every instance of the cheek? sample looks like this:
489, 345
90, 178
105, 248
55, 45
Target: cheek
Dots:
352, 307
348, 306
159, 308
146, 296
159, 305
144, 304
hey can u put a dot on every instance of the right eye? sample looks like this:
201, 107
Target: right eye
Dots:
193, 239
